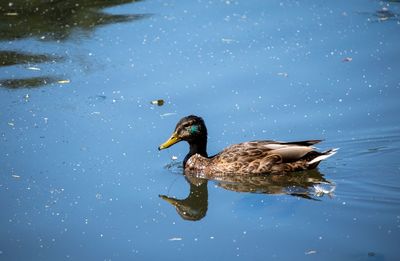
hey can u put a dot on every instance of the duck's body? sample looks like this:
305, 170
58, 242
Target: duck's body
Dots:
248, 158
258, 157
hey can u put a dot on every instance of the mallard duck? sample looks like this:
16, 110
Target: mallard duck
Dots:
247, 158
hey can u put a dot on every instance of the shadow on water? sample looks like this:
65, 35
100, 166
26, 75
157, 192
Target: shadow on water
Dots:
9, 58
32, 82
299, 184
56, 19
50, 20
13, 58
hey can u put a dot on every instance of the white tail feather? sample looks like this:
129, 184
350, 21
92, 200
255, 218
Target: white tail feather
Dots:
324, 156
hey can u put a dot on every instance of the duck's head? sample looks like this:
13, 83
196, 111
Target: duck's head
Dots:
191, 129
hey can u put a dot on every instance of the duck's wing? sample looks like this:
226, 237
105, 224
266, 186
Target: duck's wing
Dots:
258, 157
281, 152
299, 143
303, 142
292, 153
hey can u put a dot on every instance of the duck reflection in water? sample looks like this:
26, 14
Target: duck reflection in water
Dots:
194, 206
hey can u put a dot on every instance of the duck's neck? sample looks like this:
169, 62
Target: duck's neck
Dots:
197, 147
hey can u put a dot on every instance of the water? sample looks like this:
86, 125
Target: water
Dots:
81, 177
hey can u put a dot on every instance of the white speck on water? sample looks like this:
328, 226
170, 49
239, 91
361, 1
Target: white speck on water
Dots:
167, 114
33, 68
227, 40
175, 239
310, 252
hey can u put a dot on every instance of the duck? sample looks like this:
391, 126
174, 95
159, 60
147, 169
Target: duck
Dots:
259, 157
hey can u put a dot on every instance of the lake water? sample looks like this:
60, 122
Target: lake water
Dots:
80, 174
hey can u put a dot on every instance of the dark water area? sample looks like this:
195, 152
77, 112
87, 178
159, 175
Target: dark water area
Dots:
81, 177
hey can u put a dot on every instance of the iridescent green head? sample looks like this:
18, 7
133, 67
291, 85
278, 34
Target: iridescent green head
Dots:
190, 129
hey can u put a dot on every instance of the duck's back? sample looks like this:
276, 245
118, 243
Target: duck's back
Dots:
256, 157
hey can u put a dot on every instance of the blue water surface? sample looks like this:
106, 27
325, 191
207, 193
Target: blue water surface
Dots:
80, 173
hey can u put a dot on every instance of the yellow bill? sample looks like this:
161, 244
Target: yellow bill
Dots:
171, 141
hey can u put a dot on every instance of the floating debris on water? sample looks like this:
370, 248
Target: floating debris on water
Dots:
228, 40
324, 189
347, 59
174, 157
15, 176
63, 81
384, 14
159, 102
33, 68
175, 239
283, 74
167, 114
96, 98
310, 252
11, 124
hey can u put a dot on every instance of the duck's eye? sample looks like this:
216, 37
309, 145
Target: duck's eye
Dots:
193, 129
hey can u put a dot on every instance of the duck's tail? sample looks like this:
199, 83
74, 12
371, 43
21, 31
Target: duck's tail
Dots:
324, 155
